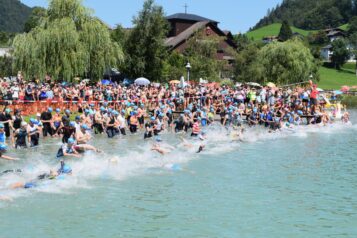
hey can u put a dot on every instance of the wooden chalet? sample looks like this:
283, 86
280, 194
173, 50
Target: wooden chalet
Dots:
184, 26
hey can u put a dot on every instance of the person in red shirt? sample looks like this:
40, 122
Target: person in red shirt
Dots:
314, 94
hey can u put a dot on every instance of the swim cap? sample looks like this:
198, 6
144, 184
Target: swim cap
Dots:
153, 118
72, 124
33, 121
66, 169
30, 185
92, 105
110, 110
68, 111
58, 110
3, 147
85, 127
123, 111
102, 108
77, 118
158, 139
255, 110
105, 104
1, 125
49, 109
7, 110
135, 108
86, 111
70, 141
161, 115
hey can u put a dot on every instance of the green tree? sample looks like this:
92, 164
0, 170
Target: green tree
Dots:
340, 53
5, 66
287, 62
318, 38
352, 26
201, 52
246, 68
119, 35
69, 42
353, 44
144, 47
285, 32
37, 14
241, 41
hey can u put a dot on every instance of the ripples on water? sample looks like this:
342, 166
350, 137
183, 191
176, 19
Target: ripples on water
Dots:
288, 184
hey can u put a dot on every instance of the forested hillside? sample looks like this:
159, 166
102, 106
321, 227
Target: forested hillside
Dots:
311, 14
13, 15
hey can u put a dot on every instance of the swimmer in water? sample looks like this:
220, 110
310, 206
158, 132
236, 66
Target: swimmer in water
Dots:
63, 170
3, 149
157, 148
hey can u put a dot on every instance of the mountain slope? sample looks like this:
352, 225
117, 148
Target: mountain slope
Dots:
13, 15
311, 14
272, 30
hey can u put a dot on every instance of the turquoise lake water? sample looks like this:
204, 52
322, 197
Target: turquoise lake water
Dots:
289, 184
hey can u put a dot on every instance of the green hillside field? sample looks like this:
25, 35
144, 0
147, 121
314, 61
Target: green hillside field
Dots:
272, 30
333, 79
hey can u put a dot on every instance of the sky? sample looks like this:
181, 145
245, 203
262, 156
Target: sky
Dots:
234, 15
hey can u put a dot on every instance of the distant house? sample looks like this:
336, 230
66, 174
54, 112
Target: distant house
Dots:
270, 39
5, 52
327, 52
335, 33
185, 26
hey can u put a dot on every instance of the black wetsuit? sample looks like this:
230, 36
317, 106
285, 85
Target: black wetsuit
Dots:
67, 132
111, 132
47, 128
148, 134
21, 138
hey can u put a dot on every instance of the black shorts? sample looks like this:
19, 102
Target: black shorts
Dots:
305, 100
141, 120
313, 101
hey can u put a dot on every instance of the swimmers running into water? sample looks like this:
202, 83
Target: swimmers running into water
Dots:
63, 170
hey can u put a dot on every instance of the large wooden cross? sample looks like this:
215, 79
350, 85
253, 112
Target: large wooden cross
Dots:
186, 6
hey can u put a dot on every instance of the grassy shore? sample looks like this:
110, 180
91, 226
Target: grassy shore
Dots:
333, 79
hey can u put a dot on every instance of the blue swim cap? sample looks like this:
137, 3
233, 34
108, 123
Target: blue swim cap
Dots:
92, 105
176, 167
199, 118
161, 115
67, 111
66, 169
77, 118
2, 125
105, 104
102, 108
33, 121
135, 108
86, 111
255, 110
158, 139
85, 127
30, 185
72, 123
300, 113
58, 110
49, 109
3, 147
110, 110
153, 118
7, 110
123, 111
71, 141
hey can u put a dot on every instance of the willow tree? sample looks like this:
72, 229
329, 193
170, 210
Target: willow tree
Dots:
287, 62
68, 42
